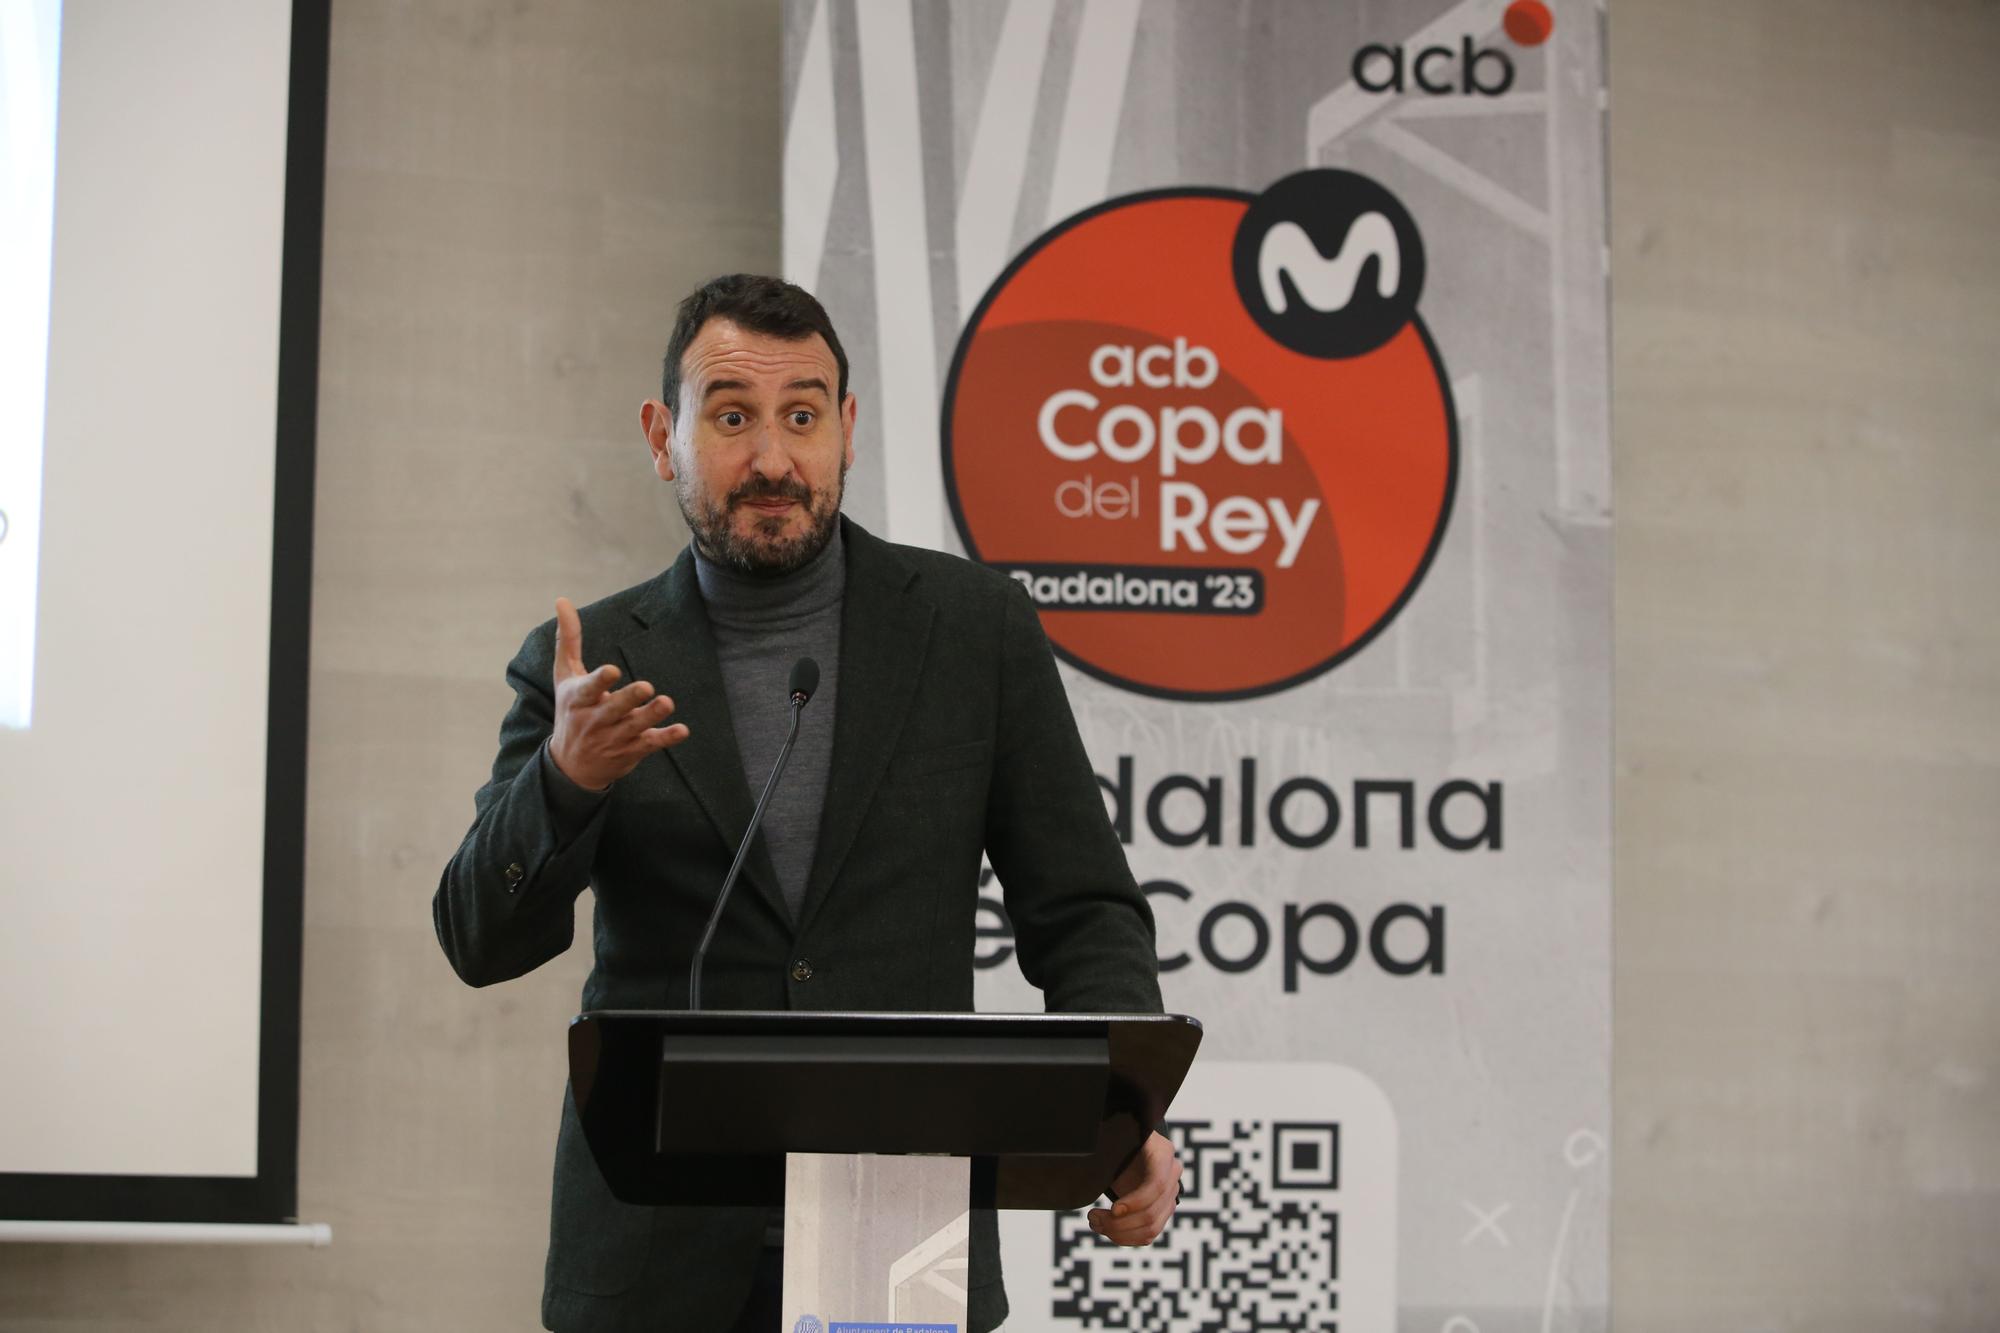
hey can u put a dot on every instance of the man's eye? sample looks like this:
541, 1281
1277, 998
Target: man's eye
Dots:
732, 419
802, 419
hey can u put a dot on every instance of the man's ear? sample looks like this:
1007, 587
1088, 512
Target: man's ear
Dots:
847, 410
658, 423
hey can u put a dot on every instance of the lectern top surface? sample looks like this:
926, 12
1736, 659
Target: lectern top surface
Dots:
795, 1019
685, 1107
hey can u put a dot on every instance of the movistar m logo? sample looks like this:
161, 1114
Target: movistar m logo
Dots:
1327, 283
1328, 263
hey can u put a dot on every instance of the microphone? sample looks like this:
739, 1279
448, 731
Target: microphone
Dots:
804, 680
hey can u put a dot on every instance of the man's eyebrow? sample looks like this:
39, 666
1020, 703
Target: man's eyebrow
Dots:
714, 387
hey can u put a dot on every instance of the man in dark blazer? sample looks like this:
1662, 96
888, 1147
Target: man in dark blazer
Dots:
949, 739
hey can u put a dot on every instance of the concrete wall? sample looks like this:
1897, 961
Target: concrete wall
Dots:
1806, 320
1808, 451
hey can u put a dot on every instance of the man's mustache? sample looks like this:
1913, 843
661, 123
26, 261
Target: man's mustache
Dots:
768, 488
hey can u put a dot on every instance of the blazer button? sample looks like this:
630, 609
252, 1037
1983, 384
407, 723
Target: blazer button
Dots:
802, 970
514, 875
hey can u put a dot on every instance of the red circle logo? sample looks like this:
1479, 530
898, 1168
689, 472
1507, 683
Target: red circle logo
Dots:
1528, 22
1208, 432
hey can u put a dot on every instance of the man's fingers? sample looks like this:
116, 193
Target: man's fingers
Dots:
661, 738
1132, 1229
648, 714
1162, 1182
597, 684
1135, 1226
569, 641
629, 698
1148, 1202
1146, 1189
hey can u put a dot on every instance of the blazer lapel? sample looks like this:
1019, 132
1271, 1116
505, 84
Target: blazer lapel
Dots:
883, 633
675, 650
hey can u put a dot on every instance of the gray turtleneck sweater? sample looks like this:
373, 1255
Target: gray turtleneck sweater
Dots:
763, 625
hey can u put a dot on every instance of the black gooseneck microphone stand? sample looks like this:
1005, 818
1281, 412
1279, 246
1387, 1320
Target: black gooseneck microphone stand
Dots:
804, 680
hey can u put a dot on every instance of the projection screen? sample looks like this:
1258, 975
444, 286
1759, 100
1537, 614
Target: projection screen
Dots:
163, 208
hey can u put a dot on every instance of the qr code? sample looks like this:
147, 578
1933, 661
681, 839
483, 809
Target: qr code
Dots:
1254, 1245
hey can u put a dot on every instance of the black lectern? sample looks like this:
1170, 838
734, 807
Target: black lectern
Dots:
875, 1131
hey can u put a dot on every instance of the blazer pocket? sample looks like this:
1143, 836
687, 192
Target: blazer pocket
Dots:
946, 759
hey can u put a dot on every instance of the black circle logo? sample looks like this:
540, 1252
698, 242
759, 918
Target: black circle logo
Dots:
1329, 263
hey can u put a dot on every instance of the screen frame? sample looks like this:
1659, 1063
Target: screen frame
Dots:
272, 1194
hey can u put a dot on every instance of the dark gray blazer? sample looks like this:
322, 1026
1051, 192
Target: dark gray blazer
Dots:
953, 738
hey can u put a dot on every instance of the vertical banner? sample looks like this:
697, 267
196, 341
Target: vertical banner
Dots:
1265, 345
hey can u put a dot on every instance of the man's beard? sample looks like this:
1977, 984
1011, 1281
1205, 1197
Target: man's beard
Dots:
761, 551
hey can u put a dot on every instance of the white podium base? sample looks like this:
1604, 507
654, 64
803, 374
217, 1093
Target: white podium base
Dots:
878, 1242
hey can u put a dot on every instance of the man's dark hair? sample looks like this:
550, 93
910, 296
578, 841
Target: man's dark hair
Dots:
770, 306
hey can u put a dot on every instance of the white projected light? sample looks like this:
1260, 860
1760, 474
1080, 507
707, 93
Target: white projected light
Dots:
143, 505
28, 63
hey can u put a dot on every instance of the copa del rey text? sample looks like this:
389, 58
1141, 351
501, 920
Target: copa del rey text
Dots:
1174, 438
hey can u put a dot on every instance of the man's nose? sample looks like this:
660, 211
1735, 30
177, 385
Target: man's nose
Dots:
768, 455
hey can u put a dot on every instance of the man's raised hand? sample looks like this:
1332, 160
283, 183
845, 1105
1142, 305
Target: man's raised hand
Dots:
602, 732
